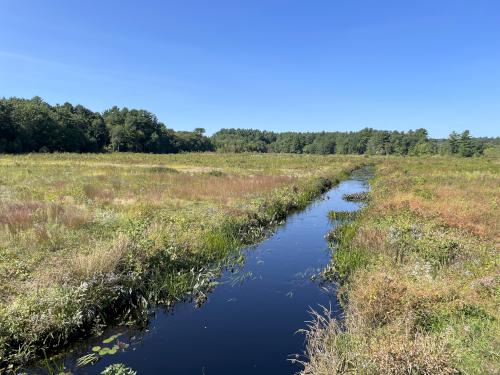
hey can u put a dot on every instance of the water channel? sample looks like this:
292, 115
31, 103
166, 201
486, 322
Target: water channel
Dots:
249, 323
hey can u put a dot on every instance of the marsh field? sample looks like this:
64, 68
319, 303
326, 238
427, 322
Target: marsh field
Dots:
88, 241
417, 271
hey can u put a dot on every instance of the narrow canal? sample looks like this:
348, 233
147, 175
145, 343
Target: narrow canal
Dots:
249, 322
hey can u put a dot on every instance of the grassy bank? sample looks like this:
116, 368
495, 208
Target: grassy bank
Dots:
89, 240
418, 271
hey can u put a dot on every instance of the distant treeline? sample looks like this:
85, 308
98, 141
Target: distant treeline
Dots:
366, 141
32, 125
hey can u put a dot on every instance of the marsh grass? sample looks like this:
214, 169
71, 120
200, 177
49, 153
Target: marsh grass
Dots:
417, 273
92, 240
342, 215
356, 197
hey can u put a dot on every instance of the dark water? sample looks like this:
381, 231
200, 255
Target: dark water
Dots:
248, 324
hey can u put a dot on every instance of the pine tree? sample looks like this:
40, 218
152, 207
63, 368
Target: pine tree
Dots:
453, 142
466, 145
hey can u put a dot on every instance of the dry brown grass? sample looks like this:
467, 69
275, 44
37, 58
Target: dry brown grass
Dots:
330, 351
326, 348
370, 237
379, 298
103, 195
19, 216
466, 199
416, 354
221, 189
97, 262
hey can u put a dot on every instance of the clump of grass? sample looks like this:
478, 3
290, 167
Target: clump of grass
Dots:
162, 169
356, 197
342, 233
324, 335
20, 215
331, 350
215, 173
342, 215
98, 193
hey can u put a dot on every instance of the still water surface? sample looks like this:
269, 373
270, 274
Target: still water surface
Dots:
248, 324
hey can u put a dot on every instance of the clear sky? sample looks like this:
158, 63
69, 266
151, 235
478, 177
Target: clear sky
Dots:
275, 65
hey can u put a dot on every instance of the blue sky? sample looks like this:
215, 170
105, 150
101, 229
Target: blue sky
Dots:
275, 65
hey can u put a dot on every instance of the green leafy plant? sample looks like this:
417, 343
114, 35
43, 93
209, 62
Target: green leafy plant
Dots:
118, 369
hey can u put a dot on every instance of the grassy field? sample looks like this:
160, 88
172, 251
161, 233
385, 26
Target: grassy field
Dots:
89, 240
419, 272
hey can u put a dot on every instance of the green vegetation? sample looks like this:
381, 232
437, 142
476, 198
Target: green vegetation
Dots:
367, 141
342, 215
32, 125
356, 197
94, 239
118, 369
35, 126
418, 274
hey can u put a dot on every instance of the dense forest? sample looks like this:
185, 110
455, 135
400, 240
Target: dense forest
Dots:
32, 125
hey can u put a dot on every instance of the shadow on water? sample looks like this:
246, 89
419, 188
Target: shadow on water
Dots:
249, 322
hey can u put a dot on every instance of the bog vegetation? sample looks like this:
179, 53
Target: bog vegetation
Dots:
32, 125
92, 239
418, 274
96, 238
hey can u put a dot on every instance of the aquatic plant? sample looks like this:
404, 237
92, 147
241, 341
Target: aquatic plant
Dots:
87, 359
342, 215
118, 369
356, 197
111, 338
51, 366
